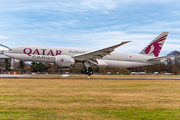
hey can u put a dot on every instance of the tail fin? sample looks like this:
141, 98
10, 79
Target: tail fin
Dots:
154, 47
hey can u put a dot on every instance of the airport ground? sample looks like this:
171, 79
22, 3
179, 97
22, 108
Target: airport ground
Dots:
86, 99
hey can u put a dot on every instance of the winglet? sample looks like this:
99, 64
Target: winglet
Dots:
115, 46
154, 47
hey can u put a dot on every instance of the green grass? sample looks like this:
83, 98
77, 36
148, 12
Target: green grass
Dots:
86, 99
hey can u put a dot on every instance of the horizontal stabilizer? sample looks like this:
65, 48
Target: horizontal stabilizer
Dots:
160, 58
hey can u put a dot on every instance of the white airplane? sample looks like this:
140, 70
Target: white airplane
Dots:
65, 58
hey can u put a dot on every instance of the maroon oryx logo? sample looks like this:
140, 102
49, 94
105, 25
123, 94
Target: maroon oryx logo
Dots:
156, 46
62, 60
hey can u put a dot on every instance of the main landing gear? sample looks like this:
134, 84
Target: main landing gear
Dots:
87, 70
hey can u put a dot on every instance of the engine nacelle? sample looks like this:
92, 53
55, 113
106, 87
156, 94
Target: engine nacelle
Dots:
64, 62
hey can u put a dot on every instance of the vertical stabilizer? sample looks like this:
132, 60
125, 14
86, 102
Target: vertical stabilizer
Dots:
154, 47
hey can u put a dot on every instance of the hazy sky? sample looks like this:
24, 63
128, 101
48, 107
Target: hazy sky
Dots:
90, 24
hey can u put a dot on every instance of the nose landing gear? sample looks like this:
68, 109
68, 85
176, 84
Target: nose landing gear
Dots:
18, 66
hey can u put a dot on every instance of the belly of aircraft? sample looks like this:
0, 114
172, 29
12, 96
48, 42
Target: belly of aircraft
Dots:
124, 64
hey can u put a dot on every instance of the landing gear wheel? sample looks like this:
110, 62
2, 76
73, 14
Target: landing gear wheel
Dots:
83, 71
90, 73
87, 71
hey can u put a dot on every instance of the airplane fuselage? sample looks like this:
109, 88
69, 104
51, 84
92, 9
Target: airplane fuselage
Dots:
49, 54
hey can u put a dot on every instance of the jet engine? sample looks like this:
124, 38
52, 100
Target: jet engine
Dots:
64, 62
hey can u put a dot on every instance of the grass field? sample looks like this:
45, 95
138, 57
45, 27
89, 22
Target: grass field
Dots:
115, 76
86, 99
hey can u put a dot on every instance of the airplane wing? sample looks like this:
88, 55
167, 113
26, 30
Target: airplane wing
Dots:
97, 54
160, 58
